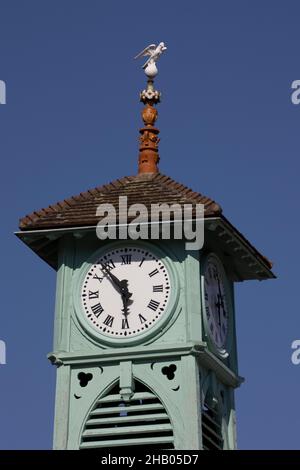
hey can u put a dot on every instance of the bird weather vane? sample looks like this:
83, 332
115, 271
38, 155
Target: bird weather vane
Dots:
154, 52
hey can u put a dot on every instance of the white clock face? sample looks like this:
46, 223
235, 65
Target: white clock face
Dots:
216, 307
126, 292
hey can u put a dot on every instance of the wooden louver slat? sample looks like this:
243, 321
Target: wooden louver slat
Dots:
116, 431
118, 409
137, 396
128, 442
130, 419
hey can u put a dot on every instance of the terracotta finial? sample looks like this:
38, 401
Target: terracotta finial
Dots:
149, 157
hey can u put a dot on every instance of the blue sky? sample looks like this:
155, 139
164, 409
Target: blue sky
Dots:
228, 130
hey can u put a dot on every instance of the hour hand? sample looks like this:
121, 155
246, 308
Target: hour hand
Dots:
124, 289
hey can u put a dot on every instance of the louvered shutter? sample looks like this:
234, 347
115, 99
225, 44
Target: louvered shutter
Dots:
143, 421
211, 429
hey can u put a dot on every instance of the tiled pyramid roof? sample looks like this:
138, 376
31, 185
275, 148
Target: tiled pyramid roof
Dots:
80, 211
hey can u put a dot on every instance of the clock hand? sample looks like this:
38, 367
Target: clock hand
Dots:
124, 289
121, 285
218, 305
112, 276
125, 305
221, 297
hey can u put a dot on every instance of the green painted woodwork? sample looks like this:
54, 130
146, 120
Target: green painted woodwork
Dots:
173, 402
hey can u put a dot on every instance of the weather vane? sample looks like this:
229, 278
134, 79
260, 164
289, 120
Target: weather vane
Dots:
150, 95
154, 52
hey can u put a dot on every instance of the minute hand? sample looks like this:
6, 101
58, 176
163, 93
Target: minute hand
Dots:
221, 298
122, 285
113, 278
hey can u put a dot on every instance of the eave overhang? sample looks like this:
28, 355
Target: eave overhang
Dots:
245, 261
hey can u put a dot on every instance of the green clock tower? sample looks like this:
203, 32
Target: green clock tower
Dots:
144, 339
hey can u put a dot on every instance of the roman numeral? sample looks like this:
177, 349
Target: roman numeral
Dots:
159, 288
126, 259
93, 295
142, 319
207, 312
109, 264
141, 262
206, 296
100, 279
153, 305
108, 321
155, 271
97, 309
125, 323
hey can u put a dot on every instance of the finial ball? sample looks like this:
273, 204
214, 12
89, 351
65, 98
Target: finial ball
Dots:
151, 70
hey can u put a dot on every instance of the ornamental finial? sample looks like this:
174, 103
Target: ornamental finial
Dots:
149, 157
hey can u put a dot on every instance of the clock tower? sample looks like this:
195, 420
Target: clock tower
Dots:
144, 338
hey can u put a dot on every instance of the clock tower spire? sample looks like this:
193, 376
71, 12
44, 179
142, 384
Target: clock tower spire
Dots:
149, 157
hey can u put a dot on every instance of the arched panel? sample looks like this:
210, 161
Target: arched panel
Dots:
140, 421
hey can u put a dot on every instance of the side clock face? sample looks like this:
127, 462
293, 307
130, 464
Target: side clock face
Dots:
215, 300
126, 292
